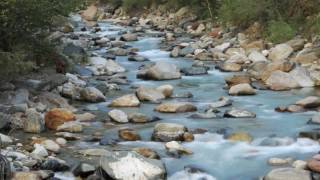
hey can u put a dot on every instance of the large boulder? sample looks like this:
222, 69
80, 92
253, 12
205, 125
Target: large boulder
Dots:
238, 79
309, 102
149, 94
242, 89
288, 173
280, 52
92, 94
284, 66
166, 132
302, 77
58, 116
124, 165
101, 66
279, 81
90, 14
178, 107
167, 90
161, 71
229, 67
129, 100
256, 56
113, 67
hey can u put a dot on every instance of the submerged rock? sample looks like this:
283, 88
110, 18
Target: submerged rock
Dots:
222, 102
128, 135
178, 107
192, 71
129, 165
240, 136
166, 132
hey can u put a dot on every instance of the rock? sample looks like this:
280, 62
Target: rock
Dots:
118, 116
165, 132
314, 165
284, 66
238, 59
186, 51
242, 89
149, 94
299, 164
51, 100
137, 58
174, 146
237, 79
129, 100
101, 66
191, 173
129, 165
239, 113
146, 152
296, 44
129, 37
315, 119
302, 77
280, 81
206, 115
92, 94
34, 122
5, 139
140, 118
25, 176
94, 152
55, 165
279, 161
241, 136
222, 102
85, 117
295, 109
280, 52
61, 141
192, 71
175, 52
167, 90
72, 126
51, 145
90, 14
161, 71
223, 47
309, 102
40, 150
128, 135
178, 107
84, 170
57, 116
113, 67
288, 173
229, 67
256, 56
188, 137
69, 90
203, 56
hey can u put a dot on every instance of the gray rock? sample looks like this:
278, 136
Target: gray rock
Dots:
288, 173
239, 113
137, 58
91, 94
83, 170
129, 37
149, 94
166, 132
315, 119
194, 71
185, 51
34, 122
160, 71
222, 102
118, 116
242, 89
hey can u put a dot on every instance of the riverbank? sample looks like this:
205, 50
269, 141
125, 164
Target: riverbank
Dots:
156, 102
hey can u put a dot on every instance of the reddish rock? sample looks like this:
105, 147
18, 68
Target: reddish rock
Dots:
57, 116
314, 165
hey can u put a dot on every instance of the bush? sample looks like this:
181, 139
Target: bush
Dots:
279, 31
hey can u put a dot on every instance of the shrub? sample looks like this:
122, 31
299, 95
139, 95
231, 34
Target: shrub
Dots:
280, 31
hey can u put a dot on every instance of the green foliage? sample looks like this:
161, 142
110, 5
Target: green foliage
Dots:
279, 31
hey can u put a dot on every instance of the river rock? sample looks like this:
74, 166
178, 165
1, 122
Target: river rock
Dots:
206, 115
112, 67
279, 161
5, 139
314, 135
61, 141
129, 100
128, 135
238, 59
130, 165
85, 117
295, 108
140, 118
280, 52
161, 71
146, 152
309, 102
51, 145
40, 150
299, 164
178, 107
302, 77
192, 71
71, 126
239, 113
256, 56
175, 52
315, 119
191, 173
57, 116
284, 66
94, 152
129, 37
83, 170
25, 176
167, 90
34, 122
242, 89
186, 51
296, 44
52, 100
149, 94
288, 173
55, 164
240, 136
90, 14
92, 94
229, 67
165, 132
314, 165
237, 79
137, 58
280, 81
173, 147
222, 102
118, 116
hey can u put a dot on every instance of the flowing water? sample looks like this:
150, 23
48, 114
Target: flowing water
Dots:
211, 152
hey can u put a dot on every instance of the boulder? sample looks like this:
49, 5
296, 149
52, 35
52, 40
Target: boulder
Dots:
296, 44
92, 94
57, 116
302, 77
146, 152
229, 67
34, 122
288, 173
51, 145
280, 52
280, 81
279, 161
238, 79
173, 147
256, 56
178, 107
129, 37
284, 66
118, 116
242, 89
128, 135
71, 126
315, 119
140, 118
83, 170
165, 132
161, 71
129, 100
112, 67
130, 165
239, 113
309, 102
149, 94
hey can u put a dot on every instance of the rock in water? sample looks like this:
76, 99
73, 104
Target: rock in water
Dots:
90, 14
129, 37
34, 122
280, 81
129, 100
92, 94
118, 116
149, 94
309, 102
242, 89
130, 165
161, 71
167, 90
57, 116
288, 173
178, 107
129, 135
166, 132
239, 113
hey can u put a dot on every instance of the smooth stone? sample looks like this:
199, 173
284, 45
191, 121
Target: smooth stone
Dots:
72, 126
174, 146
280, 81
57, 116
302, 77
25, 176
129, 135
229, 67
84, 170
288, 173
309, 102
222, 102
34, 122
161, 71
5, 139
178, 107
92, 94
118, 116
149, 94
129, 37
242, 89
137, 58
167, 90
146, 152
314, 165
279, 161
239, 113
130, 165
129, 100
206, 115
299, 164
237, 79
280, 52
295, 109
192, 71
240, 136
85, 117
51, 145
40, 150
141, 118
165, 132
61, 141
